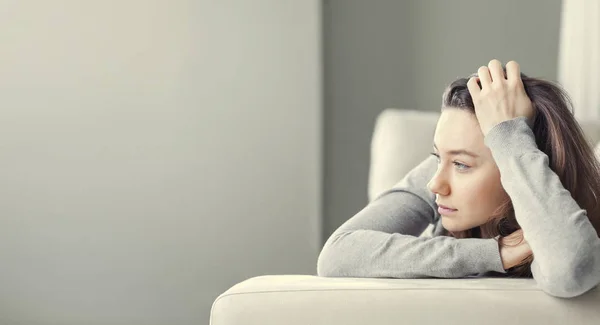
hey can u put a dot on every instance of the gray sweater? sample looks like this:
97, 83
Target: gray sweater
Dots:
382, 239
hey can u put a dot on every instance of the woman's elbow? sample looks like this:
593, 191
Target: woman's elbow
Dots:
564, 291
570, 283
331, 262
325, 267
326, 263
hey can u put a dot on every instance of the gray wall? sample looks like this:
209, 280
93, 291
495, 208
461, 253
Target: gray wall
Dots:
154, 153
385, 53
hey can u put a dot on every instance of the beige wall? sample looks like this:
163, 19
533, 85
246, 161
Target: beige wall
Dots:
154, 153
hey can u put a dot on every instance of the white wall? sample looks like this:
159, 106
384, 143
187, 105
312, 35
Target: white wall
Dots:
154, 153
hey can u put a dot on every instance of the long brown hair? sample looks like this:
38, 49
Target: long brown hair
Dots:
560, 137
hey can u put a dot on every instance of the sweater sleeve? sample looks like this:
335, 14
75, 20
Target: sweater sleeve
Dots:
564, 243
381, 239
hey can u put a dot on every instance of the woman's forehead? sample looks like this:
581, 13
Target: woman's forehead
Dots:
458, 129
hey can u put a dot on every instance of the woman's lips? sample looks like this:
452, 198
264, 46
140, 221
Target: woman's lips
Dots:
445, 210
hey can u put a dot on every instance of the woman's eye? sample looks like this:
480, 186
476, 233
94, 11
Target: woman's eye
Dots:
461, 166
458, 165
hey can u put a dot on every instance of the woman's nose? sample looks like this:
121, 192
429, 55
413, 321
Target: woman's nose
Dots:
439, 185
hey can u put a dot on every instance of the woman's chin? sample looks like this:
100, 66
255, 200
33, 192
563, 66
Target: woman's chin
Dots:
451, 225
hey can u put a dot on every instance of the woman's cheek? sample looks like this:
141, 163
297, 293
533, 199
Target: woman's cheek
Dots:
488, 191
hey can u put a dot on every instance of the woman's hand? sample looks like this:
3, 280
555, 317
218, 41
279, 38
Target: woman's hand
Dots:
499, 99
514, 249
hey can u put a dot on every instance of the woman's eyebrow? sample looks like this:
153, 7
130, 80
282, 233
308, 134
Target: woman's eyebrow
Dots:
457, 152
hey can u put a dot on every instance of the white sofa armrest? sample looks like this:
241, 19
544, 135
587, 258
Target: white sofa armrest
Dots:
306, 299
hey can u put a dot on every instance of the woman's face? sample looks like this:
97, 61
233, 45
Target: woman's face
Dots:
467, 179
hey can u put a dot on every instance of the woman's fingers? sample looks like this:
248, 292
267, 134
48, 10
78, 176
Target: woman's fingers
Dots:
500, 99
496, 71
514, 239
473, 86
513, 71
484, 77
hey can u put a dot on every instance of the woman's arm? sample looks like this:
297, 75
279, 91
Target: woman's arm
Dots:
380, 240
564, 243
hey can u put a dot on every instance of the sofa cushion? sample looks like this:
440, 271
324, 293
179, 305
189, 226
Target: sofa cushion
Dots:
401, 140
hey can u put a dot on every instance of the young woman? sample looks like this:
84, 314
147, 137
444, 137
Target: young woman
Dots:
512, 188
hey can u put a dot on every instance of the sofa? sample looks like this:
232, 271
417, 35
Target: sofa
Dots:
401, 139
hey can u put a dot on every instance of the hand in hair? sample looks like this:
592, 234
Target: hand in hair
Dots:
514, 249
498, 98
